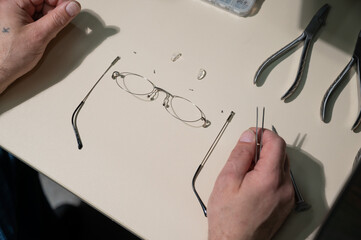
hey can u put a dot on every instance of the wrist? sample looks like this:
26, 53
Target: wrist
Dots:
236, 235
4, 79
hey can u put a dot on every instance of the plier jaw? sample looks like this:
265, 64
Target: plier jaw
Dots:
318, 20
355, 60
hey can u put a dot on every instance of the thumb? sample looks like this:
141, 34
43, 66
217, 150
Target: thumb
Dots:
55, 20
241, 158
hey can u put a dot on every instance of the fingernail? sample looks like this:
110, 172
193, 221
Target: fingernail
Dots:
248, 136
73, 8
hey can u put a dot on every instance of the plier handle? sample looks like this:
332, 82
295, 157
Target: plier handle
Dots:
355, 60
307, 36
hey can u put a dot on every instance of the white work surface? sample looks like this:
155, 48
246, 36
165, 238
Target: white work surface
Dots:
138, 161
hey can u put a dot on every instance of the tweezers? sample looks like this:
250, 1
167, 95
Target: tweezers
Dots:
307, 36
355, 60
259, 144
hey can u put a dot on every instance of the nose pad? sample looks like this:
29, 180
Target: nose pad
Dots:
115, 75
166, 102
153, 95
206, 123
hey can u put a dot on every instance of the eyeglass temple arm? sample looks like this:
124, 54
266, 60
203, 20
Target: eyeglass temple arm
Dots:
74, 117
204, 208
214, 144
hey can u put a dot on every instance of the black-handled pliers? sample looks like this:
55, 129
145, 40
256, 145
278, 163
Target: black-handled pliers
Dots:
355, 60
307, 36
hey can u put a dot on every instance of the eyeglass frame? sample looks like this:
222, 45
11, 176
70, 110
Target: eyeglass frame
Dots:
152, 95
76, 112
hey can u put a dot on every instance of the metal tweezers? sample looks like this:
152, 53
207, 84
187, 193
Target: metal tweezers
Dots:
307, 36
355, 60
259, 136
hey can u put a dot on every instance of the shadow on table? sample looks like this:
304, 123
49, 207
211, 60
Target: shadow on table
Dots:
309, 175
63, 55
342, 24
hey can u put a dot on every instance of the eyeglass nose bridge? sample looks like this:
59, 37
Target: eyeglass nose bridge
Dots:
168, 95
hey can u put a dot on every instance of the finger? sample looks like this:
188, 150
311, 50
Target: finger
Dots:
47, 8
37, 2
240, 159
51, 4
27, 6
273, 153
53, 22
54, 3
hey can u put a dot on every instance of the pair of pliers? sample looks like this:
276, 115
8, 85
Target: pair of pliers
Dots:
307, 36
355, 60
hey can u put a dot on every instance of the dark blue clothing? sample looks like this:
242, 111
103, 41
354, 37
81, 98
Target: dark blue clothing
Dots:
7, 197
25, 213
24, 210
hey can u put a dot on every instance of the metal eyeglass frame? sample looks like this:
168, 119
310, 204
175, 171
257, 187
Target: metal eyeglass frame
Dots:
208, 154
167, 102
154, 94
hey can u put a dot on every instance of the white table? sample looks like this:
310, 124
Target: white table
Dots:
137, 162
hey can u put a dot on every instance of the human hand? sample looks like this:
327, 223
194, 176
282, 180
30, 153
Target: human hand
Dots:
251, 202
26, 28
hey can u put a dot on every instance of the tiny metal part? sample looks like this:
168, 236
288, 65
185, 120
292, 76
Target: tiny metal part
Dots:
134, 52
175, 57
208, 154
154, 71
222, 111
301, 204
202, 73
192, 90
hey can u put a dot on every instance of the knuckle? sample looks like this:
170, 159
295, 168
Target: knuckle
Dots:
37, 37
58, 19
226, 178
242, 152
288, 193
280, 142
273, 182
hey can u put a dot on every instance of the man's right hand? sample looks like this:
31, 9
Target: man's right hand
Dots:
251, 202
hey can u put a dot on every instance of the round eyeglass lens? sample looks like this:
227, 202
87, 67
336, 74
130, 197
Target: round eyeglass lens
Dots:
137, 84
184, 110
